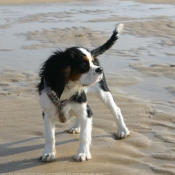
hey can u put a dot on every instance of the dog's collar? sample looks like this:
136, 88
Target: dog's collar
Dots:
58, 103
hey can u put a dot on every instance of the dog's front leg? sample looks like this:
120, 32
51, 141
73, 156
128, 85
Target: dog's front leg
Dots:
85, 119
107, 98
49, 151
103, 93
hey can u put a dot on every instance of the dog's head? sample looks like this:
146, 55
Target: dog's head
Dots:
74, 64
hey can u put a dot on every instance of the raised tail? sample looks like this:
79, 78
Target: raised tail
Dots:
109, 43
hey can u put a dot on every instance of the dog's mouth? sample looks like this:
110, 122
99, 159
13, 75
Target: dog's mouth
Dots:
98, 80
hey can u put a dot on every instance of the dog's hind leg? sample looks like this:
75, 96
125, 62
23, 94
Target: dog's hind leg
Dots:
84, 122
101, 90
75, 129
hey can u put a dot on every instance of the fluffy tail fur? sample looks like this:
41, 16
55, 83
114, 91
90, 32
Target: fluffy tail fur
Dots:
109, 43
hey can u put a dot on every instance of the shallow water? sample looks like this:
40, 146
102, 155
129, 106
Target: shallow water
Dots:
154, 89
23, 18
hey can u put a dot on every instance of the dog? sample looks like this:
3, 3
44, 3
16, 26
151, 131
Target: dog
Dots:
66, 77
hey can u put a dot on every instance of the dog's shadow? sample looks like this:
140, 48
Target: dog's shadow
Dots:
11, 149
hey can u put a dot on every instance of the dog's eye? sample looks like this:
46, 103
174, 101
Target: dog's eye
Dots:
84, 65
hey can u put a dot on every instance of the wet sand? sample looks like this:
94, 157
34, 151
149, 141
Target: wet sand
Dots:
140, 72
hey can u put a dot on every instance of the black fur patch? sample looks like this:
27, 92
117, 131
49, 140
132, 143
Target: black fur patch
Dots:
103, 84
43, 114
80, 98
89, 111
53, 73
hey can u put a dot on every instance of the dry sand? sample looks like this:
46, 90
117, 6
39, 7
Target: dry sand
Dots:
150, 148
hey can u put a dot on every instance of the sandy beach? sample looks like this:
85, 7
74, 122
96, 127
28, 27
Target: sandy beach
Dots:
140, 71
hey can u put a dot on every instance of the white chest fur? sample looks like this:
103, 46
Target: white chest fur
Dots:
70, 89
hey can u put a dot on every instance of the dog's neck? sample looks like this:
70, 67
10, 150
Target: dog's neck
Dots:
71, 89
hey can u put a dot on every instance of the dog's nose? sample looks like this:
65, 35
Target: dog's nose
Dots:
99, 70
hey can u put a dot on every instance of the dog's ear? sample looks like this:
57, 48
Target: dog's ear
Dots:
56, 71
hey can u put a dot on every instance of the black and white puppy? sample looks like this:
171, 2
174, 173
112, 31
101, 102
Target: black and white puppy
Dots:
66, 77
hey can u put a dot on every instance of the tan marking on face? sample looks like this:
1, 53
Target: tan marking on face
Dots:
92, 58
87, 59
75, 75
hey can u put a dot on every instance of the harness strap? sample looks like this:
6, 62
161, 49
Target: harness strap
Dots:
59, 104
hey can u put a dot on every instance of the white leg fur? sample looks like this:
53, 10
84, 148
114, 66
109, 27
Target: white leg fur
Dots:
107, 98
50, 113
83, 152
49, 134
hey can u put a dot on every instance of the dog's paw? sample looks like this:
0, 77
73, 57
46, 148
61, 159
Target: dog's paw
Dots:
74, 130
122, 133
80, 157
47, 157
